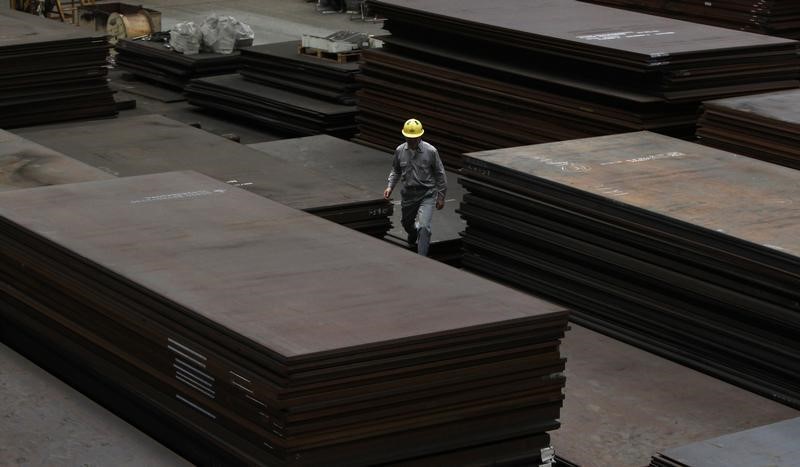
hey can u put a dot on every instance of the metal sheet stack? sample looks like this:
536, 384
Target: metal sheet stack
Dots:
483, 75
278, 109
282, 66
152, 143
352, 163
772, 445
684, 250
153, 61
764, 126
287, 91
775, 17
274, 336
25, 164
50, 72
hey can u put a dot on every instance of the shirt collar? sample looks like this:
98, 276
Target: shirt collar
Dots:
419, 146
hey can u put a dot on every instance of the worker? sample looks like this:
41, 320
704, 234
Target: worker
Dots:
418, 167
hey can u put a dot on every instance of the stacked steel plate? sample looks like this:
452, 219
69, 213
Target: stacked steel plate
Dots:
368, 169
278, 109
772, 445
25, 164
687, 251
50, 72
274, 336
151, 144
283, 66
482, 75
153, 61
352, 163
286, 90
764, 126
775, 17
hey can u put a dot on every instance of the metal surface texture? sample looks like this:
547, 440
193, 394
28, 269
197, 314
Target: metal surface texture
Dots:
284, 111
281, 65
776, 17
714, 190
159, 52
772, 445
624, 404
287, 99
21, 29
470, 110
151, 144
248, 322
535, 72
647, 39
50, 72
352, 163
515, 71
155, 62
780, 106
25, 164
274, 246
45, 418
287, 52
762, 126
672, 246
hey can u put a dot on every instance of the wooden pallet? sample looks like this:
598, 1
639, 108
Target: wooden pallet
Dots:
338, 57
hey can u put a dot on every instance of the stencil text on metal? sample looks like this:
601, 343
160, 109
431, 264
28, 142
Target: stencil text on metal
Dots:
646, 158
174, 196
564, 166
609, 36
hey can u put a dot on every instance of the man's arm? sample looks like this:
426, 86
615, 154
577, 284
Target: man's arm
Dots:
394, 177
440, 176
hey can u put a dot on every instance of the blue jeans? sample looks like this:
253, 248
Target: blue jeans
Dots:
417, 210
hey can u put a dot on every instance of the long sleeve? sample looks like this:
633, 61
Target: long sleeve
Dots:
441, 177
394, 175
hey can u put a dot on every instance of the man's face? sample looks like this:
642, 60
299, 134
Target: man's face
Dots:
412, 142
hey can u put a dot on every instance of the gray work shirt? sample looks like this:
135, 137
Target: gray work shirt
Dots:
420, 168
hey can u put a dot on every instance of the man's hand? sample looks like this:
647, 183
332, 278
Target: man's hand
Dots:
439, 203
387, 193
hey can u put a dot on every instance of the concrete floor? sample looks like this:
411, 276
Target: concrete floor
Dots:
622, 404
44, 422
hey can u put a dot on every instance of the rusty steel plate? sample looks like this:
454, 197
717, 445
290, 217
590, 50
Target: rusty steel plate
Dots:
681, 249
152, 143
762, 126
154, 61
219, 313
487, 76
150, 204
731, 195
25, 164
282, 65
588, 30
284, 111
777, 18
50, 72
773, 445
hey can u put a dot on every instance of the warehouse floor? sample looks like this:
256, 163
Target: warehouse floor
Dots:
622, 404
45, 422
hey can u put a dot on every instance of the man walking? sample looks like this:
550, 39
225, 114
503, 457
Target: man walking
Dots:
424, 184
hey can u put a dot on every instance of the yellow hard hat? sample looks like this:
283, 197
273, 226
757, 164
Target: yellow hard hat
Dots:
413, 128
